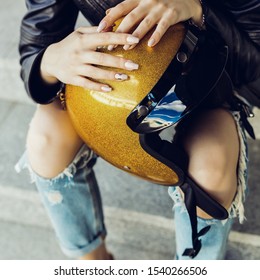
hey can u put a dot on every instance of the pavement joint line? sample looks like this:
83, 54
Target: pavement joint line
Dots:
128, 216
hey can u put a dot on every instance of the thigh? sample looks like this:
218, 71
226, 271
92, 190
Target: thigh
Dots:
52, 142
212, 143
212, 131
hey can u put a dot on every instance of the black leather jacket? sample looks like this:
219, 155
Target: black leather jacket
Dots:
49, 21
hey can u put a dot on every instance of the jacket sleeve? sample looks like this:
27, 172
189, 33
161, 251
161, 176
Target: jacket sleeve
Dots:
46, 22
237, 23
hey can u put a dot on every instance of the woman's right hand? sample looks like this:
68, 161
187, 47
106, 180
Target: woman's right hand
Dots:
75, 59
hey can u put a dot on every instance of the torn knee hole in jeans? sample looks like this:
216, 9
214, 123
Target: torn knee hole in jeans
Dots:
237, 207
178, 199
81, 160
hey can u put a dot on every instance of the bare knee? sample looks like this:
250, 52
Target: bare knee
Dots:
215, 174
211, 168
51, 142
213, 147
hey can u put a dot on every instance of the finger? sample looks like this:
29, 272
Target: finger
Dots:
127, 25
111, 47
101, 74
116, 13
89, 84
160, 30
127, 47
94, 40
102, 59
145, 26
131, 20
108, 11
86, 29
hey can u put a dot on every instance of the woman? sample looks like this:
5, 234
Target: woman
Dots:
52, 52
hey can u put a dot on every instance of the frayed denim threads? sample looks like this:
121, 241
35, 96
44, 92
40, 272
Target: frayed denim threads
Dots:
73, 203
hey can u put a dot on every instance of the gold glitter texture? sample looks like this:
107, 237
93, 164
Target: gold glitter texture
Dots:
100, 118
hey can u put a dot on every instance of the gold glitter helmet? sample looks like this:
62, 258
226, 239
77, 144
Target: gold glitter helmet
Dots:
100, 118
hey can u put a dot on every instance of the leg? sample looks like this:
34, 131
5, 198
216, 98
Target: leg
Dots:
212, 143
51, 134
62, 170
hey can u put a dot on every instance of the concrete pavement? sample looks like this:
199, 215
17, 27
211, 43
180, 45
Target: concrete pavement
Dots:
138, 214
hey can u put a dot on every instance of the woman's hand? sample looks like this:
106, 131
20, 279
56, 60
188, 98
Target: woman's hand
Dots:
74, 59
143, 15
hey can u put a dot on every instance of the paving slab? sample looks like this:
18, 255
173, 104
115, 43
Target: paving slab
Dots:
18, 242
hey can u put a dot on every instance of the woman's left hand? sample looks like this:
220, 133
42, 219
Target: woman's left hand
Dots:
143, 15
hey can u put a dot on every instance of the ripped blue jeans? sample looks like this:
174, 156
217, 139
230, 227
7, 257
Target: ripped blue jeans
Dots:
73, 204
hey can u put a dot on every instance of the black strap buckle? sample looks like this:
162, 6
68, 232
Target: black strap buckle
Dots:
193, 252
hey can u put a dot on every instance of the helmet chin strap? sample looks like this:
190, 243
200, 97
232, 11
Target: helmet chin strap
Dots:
190, 203
172, 155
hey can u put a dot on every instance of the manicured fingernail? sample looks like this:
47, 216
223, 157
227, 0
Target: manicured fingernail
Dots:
107, 11
121, 77
110, 47
102, 26
130, 65
151, 42
126, 47
132, 40
106, 88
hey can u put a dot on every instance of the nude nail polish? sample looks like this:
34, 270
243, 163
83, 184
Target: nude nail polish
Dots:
121, 77
102, 26
132, 40
151, 42
130, 65
106, 88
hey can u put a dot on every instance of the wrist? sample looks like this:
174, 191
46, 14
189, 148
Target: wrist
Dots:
45, 67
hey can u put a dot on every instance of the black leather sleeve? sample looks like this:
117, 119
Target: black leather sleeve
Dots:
238, 24
46, 22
